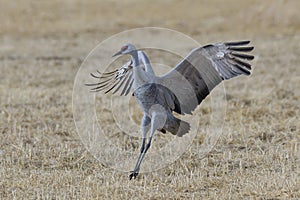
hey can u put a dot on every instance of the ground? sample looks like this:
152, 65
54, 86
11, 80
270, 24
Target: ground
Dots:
42, 46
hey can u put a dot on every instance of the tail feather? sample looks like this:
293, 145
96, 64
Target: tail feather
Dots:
177, 127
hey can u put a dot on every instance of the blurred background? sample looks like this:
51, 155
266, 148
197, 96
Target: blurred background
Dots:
74, 18
42, 44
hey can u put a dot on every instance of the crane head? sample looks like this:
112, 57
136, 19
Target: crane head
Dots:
125, 49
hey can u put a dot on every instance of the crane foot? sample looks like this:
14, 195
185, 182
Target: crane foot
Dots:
133, 175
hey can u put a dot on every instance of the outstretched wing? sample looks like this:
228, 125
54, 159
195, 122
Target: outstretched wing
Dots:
204, 68
117, 80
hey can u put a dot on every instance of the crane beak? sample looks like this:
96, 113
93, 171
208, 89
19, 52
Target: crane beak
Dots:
118, 53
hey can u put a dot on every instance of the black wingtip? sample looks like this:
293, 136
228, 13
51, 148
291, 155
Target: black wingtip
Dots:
240, 62
94, 76
239, 43
90, 84
241, 49
243, 56
108, 73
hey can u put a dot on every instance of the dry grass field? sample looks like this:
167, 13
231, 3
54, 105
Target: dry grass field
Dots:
42, 44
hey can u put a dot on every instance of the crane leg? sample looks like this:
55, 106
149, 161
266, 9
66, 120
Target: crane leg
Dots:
157, 122
145, 128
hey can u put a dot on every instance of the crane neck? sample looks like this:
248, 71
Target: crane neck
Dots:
145, 60
135, 59
139, 74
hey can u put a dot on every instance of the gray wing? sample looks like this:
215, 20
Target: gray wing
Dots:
114, 81
204, 68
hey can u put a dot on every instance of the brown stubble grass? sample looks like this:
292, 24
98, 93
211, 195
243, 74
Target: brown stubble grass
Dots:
42, 46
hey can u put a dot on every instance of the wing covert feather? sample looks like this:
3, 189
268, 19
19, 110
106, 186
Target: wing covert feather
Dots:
203, 69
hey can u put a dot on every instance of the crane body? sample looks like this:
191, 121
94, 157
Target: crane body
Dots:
180, 90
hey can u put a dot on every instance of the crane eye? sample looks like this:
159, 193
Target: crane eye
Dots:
123, 48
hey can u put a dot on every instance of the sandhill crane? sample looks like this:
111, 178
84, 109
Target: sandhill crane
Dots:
180, 90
